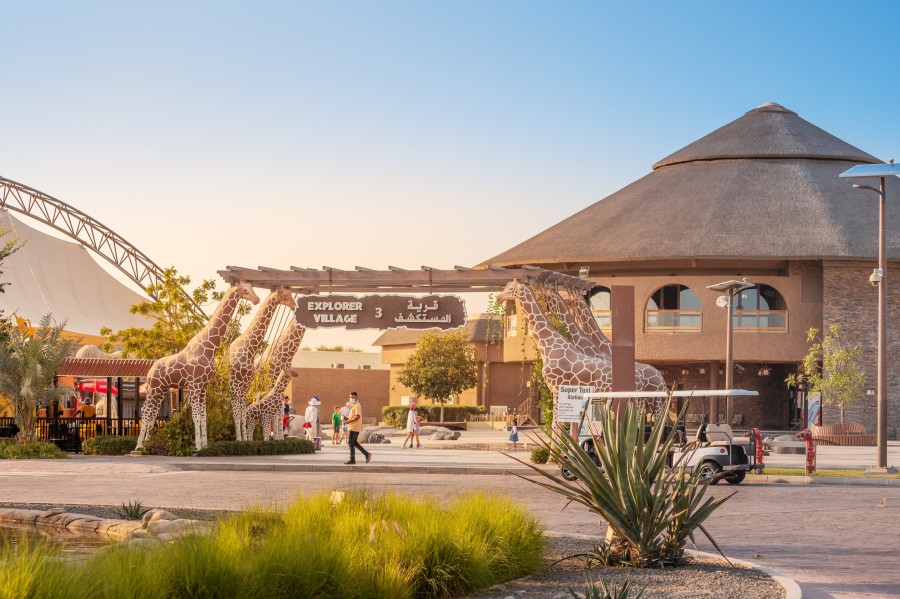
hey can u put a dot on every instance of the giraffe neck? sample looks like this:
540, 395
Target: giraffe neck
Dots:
253, 336
210, 335
545, 335
281, 383
588, 323
285, 347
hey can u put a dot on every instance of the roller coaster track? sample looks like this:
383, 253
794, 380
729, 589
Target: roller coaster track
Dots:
92, 234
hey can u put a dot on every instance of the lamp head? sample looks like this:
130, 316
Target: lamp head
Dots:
876, 277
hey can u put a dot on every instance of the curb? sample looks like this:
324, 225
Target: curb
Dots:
792, 590
252, 467
821, 480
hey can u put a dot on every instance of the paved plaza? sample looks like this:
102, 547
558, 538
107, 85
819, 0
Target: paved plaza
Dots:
833, 539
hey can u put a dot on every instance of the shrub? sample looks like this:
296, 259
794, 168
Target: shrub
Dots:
284, 447
540, 455
396, 415
362, 546
33, 450
652, 510
133, 510
108, 445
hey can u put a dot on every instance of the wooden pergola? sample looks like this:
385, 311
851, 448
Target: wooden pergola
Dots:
309, 281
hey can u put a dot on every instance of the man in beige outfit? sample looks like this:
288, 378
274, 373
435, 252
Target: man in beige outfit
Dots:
354, 423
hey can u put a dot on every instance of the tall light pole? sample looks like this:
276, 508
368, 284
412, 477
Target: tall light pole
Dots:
879, 279
732, 288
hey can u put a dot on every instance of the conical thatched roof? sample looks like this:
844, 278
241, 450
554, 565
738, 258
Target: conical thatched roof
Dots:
765, 186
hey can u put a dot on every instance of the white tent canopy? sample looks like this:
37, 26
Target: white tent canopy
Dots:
52, 275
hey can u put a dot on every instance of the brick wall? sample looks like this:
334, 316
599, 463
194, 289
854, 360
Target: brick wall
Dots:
852, 303
333, 386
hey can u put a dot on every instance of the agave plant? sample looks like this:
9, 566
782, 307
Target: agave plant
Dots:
599, 590
651, 509
133, 510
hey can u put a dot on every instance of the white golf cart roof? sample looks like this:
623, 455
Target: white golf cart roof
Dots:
663, 394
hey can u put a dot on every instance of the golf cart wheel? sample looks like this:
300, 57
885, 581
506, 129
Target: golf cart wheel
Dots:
736, 478
710, 471
566, 473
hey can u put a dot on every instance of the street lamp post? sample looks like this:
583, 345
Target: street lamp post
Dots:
878, 278
732, 288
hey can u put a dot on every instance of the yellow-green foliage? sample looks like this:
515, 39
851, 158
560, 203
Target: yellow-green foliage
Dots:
34, 450
363, 546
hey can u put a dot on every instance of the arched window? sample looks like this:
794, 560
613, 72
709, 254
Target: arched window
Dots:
673, 308
760, 308
599, 300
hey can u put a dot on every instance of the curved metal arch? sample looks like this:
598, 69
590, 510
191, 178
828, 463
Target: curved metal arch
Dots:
91, 233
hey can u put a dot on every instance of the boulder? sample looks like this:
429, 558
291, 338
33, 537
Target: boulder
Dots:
155, 515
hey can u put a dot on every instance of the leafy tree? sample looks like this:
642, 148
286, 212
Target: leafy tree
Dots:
336, 348
175, 321
28, 364
9, 245
831, 369
442, 365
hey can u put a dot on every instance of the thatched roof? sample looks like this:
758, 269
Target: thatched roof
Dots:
765, 186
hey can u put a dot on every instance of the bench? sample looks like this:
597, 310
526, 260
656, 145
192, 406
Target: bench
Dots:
847, 434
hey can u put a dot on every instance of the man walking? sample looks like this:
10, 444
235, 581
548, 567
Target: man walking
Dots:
354, 423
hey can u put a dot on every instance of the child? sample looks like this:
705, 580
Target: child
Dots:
336, 426
514, 436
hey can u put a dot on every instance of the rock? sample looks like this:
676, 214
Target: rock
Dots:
84, 524
18, 515
139, 534
154, 515
51, 512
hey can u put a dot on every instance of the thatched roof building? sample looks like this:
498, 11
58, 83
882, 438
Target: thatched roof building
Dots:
763, 187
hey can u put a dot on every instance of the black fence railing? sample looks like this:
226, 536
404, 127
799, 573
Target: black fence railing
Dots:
69, 433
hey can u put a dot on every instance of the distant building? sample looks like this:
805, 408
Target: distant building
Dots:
333, 375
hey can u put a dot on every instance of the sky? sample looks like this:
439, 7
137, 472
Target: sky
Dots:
412, 133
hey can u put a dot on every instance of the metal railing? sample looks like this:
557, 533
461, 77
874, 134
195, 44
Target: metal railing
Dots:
604, 319
762, 321
674, 321
69, 433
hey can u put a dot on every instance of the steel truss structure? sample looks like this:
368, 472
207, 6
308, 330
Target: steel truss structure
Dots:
88, 231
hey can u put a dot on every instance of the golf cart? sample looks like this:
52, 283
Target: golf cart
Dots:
713, 450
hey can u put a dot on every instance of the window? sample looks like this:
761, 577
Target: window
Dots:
599, 300
760, 309
673, 309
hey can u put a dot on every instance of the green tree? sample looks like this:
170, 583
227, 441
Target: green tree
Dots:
338, 348
442, 365
175, 321
831, 369
28, 365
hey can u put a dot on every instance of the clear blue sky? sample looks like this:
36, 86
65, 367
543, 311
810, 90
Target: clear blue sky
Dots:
406, 133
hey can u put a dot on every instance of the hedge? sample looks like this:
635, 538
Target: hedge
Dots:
108, 445
396, 415
34, 450
540, 455
284, 447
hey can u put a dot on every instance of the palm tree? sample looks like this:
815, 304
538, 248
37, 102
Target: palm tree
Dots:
28, 364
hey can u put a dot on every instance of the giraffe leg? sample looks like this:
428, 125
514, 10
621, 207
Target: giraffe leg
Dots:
198, 413
148, 416
279, 430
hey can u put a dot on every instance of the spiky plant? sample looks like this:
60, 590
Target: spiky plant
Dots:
133, 510
599, 590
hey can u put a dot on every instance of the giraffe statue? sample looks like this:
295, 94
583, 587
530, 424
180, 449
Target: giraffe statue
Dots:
268, 410
279, 363
192, 368
243, 351
647, 377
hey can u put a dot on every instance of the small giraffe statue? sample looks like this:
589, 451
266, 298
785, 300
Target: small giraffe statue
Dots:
279, 362
268, 410
192, 368
243, 351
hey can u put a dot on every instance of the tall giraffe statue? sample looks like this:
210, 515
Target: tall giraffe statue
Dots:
646, 377
242, 353
192, 368
279, 363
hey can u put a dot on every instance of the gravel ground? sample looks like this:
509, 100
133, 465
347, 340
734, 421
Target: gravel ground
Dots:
701, 578
112, 511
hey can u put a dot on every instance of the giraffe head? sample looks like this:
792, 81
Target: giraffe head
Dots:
246, 292
511, 292
286, 298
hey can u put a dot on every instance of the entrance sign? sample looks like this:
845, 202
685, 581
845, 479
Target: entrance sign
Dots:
570, 400
445, 312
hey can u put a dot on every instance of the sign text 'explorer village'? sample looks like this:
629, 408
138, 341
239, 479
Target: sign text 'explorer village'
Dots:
445, 312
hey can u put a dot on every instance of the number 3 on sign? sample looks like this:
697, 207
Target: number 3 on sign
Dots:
377, 312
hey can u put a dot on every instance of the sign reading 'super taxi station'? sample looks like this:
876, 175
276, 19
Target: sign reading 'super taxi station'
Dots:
445, 312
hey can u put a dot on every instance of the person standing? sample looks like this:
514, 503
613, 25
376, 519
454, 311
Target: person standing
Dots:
514, 435
354, 423
412, 428
345, 413
312, 418
336, 422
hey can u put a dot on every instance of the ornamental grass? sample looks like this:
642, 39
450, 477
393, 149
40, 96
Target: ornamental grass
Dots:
361, 546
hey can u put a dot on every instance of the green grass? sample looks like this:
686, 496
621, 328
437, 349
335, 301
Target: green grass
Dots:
364, 546
827, 473
35, 450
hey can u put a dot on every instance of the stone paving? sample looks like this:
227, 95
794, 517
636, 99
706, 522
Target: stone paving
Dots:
835, 540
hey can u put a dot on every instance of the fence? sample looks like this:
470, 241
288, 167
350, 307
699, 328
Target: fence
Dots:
69, 433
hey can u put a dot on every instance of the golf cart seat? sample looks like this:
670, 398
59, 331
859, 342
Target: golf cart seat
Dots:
715, 433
